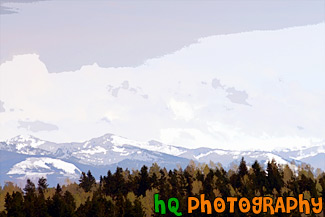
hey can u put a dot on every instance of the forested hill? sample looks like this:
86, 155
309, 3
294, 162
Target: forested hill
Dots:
131, 193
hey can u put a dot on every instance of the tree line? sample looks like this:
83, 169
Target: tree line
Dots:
126, 193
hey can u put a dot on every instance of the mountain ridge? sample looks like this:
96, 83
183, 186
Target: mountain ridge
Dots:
109, 151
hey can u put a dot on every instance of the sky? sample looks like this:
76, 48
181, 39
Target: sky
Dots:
233, 75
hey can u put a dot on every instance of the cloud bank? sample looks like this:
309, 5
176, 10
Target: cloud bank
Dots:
71, 34
257, 90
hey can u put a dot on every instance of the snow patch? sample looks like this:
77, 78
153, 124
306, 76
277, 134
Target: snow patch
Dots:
42, 165
117, 149
95, 150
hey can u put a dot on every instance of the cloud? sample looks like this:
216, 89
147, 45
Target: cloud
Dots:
300, 128
180, 110
121, 34
37, 126
216, 83
105, 119
115, 90
237, 96
2, 109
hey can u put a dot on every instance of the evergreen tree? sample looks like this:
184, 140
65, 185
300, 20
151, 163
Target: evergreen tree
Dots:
56, 206
70, 204
144, 182
188, 183
222, 182
274, 177
107, 185
126, 194
58, 189
29, 188
208, 185
14, 205
30, 199
133, 210
87, 181
42, 185
164, 186
258, 178
118, 184
242, 170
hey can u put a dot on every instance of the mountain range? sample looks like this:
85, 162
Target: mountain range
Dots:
25, 157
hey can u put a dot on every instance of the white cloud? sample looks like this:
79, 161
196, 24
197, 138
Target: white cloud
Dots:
281, 72
181, 110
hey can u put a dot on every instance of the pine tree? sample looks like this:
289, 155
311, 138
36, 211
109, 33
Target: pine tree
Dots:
208, 185
87, 181
14, 205
274, 177
29, 187
42, 185
222, 182
56, 205
144, 182
111, 200
30, 199
242, 170
258, 178
70, 204
107, 183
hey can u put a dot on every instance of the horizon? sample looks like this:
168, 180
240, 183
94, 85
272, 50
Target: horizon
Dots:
26, 137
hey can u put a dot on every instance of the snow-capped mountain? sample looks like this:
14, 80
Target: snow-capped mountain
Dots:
315, 156
27, 156
225, 157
